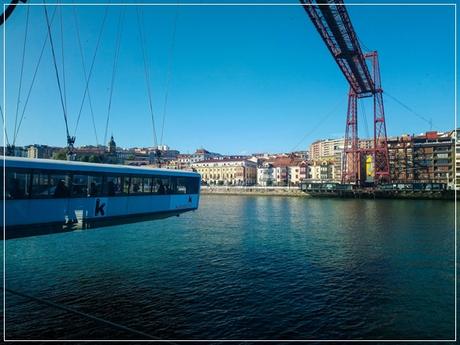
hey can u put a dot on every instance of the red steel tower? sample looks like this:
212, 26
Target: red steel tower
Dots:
333, 23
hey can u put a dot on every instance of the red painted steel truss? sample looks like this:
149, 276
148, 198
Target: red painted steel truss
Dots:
333, 23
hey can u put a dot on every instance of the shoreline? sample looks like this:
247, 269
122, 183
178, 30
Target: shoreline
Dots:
255, 191
297, 192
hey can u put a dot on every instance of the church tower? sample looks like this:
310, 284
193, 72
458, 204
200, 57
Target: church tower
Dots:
112, 146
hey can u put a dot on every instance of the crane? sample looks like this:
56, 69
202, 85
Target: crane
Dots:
333, 23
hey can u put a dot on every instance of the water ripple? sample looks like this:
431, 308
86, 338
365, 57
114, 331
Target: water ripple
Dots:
258, 268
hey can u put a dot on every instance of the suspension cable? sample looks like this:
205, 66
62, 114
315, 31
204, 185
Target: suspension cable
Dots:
4, 127
429, 121
62, 56
320, 122
91, 67
57, 73
146, 73
114, 68
169, 72
32, 83
26, 30
85, 315
77, 29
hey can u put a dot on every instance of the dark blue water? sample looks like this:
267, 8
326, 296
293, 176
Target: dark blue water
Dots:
246, 268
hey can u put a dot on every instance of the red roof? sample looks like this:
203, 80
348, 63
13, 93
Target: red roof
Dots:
286, 161
216, 160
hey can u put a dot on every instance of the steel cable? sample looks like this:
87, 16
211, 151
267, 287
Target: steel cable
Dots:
430, 122
56, 71
169, 71
91, 68
320, 122
62, 57
26, 30
146, 73
114, 69
5, 133
85, 73
32, 83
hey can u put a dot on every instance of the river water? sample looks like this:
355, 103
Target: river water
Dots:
244, 267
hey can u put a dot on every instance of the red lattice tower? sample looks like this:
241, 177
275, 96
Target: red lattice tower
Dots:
331, 20
353, 155
381, 161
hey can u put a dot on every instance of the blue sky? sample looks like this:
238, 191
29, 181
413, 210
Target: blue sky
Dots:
242, 79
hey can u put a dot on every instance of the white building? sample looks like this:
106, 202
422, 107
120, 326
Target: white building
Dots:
227, 171
326, 148
283, 171
265, 175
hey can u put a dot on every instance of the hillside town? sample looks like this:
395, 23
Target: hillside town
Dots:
428, 157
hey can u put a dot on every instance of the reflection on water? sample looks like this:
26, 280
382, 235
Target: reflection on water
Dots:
246, 268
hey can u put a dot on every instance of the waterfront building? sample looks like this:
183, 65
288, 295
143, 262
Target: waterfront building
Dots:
161, 147
365, 144
41, 151
428, 157
324, 169
15, 151
326, 159
202, 155
325, 148
433, 158
265, 175
174, 164
168, 155
227, 171
125, 154
89, 150
304, 155
164, 151
282, 171
457, 158
184, 161
400, 158
298, 173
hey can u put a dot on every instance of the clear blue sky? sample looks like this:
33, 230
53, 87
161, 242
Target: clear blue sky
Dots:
243, 79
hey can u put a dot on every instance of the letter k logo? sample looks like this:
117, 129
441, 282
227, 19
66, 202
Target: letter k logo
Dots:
99, 208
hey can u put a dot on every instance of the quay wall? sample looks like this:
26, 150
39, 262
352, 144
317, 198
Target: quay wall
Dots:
297, 192
254, 190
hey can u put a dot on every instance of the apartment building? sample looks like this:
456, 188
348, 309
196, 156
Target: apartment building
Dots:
325, 169
282, 171
227, 171
433, 157
326, 159
41, 151
325, 148
457, 159
400, 157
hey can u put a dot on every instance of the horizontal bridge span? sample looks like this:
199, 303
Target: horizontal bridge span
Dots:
333, 24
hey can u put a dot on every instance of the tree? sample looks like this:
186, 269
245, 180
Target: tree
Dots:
94, 159
60, 155
84, 158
